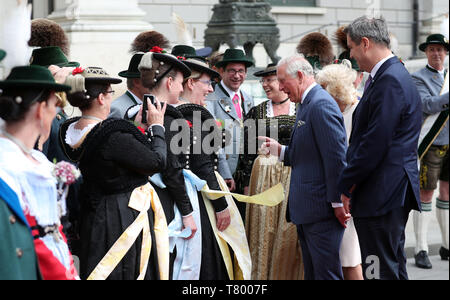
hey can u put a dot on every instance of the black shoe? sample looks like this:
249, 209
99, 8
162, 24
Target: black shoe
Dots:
443, 253
422, 260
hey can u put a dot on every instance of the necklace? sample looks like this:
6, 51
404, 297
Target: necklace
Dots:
17, 142
92, 118
279, 103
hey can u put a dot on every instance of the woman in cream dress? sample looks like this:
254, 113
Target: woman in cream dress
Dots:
338, 80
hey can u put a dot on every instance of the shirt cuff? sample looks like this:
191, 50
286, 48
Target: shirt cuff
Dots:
151, 126
283, 149
188, 215
336, 205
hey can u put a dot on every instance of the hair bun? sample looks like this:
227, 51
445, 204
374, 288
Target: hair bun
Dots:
9, 109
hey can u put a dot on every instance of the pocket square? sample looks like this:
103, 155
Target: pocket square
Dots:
300, 123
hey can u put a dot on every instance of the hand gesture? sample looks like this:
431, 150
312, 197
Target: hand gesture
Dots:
223, 219
342, 216
189, 221
269, 146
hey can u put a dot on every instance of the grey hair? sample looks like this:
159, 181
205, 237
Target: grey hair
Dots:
374, 29
297, 63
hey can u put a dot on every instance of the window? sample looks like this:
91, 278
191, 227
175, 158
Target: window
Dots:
292, 2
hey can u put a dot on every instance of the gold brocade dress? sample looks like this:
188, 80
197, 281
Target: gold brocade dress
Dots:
273, 242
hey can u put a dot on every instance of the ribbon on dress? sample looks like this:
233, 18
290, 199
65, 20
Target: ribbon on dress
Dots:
142, 198
235, 234
433, 125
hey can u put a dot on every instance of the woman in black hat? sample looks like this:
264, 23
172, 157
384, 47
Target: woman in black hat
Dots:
163, 74
28, 106
203, 163
278, 254
115, 159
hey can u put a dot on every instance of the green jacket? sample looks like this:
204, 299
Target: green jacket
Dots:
17, 256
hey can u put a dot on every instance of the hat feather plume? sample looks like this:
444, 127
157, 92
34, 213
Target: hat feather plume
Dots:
15, 31
341, 38
183, 35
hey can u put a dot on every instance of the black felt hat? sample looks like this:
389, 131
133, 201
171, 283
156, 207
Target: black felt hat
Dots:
186, 51
147, 58
133, 71
201, 66
435, 39
271, 69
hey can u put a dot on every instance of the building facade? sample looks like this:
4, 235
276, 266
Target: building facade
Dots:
101, 31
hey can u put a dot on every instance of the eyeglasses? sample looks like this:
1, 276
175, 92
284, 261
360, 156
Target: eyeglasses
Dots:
267, 80
111, 91
207, 82
234, 72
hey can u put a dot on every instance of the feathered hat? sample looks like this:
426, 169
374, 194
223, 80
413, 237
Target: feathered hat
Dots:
341, 39
46, 33
317, 49
147, 40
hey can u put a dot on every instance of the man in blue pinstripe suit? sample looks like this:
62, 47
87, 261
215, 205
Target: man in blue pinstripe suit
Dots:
316, 154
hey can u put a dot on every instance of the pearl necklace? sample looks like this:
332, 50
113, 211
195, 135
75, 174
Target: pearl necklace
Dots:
17, 142
92, 118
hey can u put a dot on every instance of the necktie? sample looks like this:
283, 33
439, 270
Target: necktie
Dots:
368, 82
237, 106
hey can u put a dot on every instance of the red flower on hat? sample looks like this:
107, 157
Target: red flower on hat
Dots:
157, 49
141, 129
77, 70
181, 57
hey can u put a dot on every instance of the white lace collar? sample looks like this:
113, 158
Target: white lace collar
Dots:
74, 136
269, 108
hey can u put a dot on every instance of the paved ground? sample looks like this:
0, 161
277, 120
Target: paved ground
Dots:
440, 270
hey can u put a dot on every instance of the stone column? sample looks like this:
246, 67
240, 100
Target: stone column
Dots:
432, 16
101, 31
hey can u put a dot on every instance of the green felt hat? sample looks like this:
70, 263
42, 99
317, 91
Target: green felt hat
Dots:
2, 54
133, 71
314, 61
47, 56
32, 77
234, 56
435, 39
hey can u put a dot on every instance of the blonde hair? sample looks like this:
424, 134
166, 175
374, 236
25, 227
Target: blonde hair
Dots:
338, 80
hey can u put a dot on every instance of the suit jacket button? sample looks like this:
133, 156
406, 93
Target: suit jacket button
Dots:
19, 252
12, 219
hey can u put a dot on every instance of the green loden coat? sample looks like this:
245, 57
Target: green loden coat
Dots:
17, 255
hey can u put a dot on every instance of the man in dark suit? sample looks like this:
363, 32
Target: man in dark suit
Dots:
316, 153
381, 176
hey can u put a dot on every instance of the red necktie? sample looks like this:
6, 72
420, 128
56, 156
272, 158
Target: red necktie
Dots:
237, 106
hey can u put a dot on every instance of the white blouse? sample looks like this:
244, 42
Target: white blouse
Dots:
35, 187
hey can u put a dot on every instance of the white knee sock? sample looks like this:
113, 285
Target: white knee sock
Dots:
442, 218
421, 221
